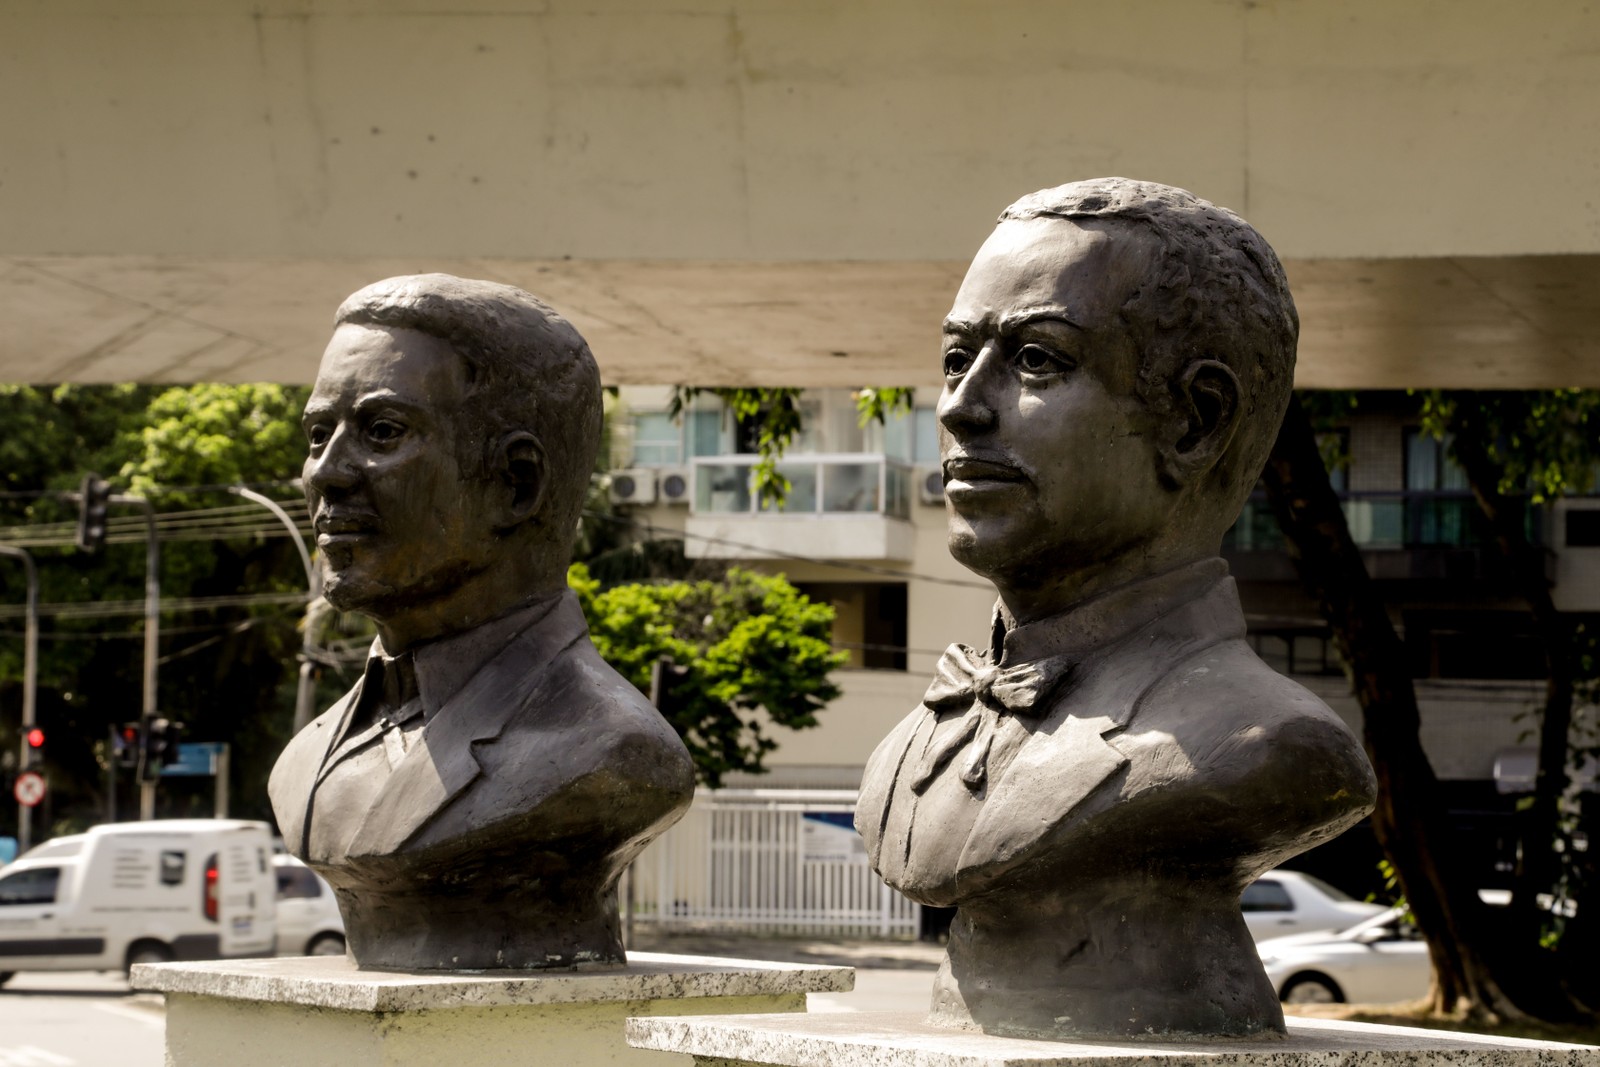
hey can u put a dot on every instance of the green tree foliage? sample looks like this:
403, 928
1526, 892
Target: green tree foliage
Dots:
227, 673
755, 649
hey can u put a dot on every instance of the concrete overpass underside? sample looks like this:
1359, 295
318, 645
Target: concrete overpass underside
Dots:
779, 192
1485, 322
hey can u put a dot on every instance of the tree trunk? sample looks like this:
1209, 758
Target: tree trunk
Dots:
1409, 821
1539, 868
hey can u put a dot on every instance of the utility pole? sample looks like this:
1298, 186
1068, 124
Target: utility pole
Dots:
94, 501
305, 691
30, 683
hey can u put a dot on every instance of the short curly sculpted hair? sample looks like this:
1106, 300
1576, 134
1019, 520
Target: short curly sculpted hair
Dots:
1219, 293
527, 369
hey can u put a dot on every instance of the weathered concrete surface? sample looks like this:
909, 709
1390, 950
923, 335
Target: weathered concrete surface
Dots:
878, 1039
311, 1012
806, 174
334, 982
1501, 322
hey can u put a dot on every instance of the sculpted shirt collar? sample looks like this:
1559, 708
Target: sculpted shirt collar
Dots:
1102, 619
444, 666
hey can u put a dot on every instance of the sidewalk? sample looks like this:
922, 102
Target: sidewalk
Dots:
862, 954
890, 975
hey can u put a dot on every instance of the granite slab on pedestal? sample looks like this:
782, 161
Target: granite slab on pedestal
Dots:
322, 1010
895, 1039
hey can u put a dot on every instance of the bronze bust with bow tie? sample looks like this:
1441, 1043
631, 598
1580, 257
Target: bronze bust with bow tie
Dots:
473, 799
1094, 790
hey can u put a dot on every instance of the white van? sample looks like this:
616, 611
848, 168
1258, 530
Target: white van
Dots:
139, 892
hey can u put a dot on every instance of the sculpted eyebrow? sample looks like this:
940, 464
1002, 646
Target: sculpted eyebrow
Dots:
1017, 320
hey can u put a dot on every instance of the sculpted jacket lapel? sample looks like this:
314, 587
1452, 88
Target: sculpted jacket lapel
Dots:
306, 772
442, 763
1068, 756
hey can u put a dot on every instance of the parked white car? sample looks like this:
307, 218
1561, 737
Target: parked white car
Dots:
309, 923
1377, 961
1281, 903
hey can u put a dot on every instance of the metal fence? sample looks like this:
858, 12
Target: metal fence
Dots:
770, 861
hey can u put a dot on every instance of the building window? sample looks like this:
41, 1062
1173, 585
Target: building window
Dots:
1583, 528
657, 440
869, 621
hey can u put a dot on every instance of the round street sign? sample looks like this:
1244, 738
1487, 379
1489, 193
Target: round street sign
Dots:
29, 789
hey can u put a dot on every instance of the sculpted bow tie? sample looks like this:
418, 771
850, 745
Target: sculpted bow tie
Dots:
966, 681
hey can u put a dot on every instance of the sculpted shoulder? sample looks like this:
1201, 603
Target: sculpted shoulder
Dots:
1225, 725
584, 741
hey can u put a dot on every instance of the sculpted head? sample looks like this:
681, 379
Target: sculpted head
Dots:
452, 431
1117, 362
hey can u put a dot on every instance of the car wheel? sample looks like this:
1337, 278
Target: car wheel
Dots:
326, 945
1311, 989
147, 952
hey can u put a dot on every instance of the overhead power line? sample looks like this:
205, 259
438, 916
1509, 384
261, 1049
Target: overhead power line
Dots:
99, 609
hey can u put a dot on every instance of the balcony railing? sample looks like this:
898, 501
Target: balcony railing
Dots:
832, 484
1380, 520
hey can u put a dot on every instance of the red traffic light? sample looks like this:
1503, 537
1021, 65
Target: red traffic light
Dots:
35, 738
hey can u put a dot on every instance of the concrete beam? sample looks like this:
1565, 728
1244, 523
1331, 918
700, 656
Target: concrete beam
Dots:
1487, 322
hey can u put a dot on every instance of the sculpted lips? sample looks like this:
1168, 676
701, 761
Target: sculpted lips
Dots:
342, 525
975, 469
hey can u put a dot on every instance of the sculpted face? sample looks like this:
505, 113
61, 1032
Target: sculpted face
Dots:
1050, 458
400, 513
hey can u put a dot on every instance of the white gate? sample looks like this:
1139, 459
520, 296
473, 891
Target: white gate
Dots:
773, 860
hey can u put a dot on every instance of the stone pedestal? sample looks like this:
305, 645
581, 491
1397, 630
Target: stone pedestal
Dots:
884, 1039
323, 1011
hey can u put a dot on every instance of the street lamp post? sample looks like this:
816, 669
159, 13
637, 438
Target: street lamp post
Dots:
30, 682
305, 690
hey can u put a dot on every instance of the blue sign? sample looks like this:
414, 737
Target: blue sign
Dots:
195, 758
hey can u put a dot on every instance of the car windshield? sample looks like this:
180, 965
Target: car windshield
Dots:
1329, 891
1383, 918
60, 848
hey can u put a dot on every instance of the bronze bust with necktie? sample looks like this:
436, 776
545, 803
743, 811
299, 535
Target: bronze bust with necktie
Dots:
1094, 790
475, 796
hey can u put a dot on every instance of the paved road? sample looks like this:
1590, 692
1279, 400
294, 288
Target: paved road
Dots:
79, 1020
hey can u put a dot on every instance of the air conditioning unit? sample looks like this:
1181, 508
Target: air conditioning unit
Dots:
672, 485
636, 486
930, 485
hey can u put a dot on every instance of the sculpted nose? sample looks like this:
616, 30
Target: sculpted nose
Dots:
331, 471
969, 405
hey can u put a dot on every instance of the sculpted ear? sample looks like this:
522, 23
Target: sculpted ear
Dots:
1208, 399
519, 463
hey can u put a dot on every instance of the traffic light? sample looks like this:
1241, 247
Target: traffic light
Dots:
95, 502
126, 743
33, 750
160, 746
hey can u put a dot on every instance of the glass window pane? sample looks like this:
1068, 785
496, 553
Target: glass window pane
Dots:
1422, 461
1265, 896
898, 434
927, 434
802, 495
36, 886
705, 433
722, 488
656, 439
897, 479
850, 487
